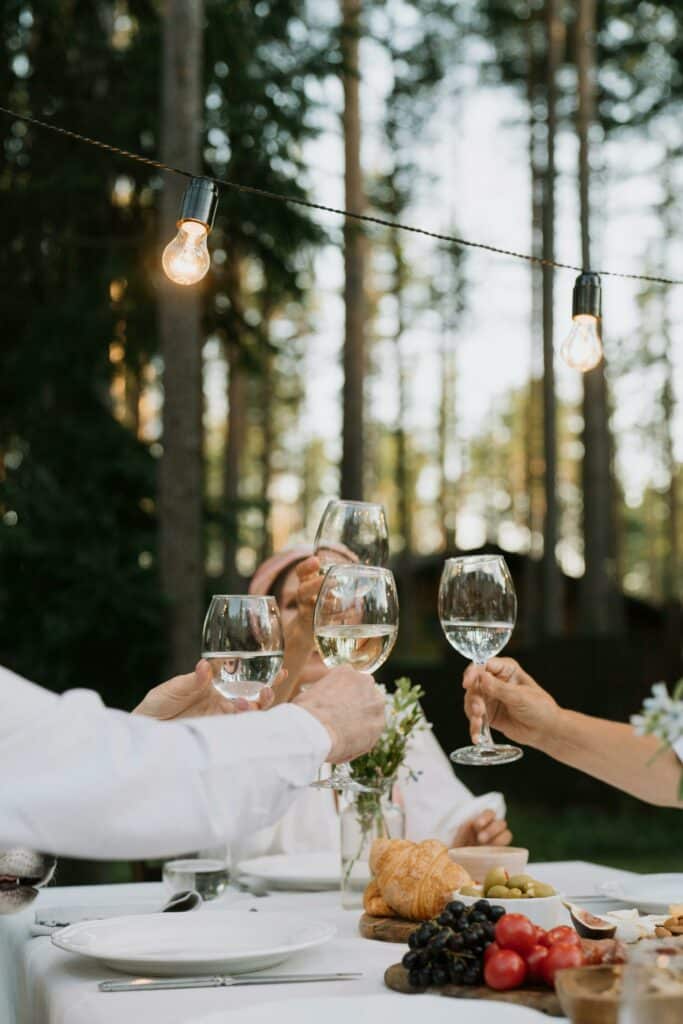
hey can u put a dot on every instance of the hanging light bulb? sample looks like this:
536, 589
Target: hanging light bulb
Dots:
582, 348
186, 259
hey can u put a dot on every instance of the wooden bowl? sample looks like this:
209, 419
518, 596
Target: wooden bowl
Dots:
479, 860
589, 995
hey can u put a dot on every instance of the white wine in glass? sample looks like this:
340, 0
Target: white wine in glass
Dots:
243, 643
478, 611
355, 623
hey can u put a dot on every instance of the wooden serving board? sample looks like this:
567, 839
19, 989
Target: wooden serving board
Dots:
396, 978
386, 929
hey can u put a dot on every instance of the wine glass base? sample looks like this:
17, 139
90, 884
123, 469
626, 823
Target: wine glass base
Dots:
482, 756
341, 785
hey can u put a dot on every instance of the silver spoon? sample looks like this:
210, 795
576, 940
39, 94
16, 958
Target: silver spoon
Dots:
187, 899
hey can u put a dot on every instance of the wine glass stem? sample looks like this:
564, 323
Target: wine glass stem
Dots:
484, 739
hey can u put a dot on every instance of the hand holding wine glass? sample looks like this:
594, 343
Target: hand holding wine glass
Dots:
478, 610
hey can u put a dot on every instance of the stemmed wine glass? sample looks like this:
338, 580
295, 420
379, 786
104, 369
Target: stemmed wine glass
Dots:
352, 531
478, 610
243, 642
355, 623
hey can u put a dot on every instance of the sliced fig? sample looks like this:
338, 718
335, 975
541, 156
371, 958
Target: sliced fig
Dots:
590, 926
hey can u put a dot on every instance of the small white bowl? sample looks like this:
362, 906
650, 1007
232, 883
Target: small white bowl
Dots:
479, 860
545, 911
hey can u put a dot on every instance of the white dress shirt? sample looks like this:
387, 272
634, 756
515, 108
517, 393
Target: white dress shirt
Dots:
78, 779
435, 803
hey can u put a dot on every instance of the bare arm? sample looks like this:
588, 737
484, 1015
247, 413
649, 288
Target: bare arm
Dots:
610, 751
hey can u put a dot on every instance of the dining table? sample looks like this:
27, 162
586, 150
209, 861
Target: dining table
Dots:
42, 984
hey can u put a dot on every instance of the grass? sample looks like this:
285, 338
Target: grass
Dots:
647, 839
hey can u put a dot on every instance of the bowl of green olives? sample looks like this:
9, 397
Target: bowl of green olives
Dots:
519, 894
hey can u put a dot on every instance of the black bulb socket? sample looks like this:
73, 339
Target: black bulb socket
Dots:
587, 296
200, 202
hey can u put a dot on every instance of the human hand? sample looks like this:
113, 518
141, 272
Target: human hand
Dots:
484, 830
514, 702
350, 707
194, 695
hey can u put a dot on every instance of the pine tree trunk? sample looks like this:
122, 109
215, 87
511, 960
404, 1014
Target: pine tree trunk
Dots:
354, 260
672, 581
237, 421
531, 455
598, 506
267, 408
552, 583
181, 470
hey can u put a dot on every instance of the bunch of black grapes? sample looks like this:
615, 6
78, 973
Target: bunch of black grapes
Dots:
450, 948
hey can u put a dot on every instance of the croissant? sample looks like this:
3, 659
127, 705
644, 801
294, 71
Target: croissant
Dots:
416, 880
374, 903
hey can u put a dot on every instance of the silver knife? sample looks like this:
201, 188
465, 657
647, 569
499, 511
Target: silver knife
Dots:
220, 981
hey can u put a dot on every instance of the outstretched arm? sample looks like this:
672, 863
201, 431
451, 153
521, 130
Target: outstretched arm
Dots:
611, 751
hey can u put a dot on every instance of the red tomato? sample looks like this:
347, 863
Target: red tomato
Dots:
534, 962
563, 934
514, 931
561, 956
541, 934
505, 970
492, 948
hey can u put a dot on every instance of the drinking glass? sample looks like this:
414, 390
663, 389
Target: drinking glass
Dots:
652, 983
355, 623
243, 643
352, 531
478, 610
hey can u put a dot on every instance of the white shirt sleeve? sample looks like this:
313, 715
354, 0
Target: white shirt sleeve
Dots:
678, 748
436, 803
82, 780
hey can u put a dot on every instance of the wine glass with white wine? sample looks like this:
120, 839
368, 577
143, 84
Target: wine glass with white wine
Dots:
352, 531
355, 623
243, 643
478, 611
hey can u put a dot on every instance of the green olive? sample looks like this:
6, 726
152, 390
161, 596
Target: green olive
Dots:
496, 876
470, 890
520, 882
515, 894
542, 890
530, 891
497, 892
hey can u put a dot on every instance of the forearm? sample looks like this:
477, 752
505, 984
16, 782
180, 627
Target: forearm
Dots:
91, 782
614, 753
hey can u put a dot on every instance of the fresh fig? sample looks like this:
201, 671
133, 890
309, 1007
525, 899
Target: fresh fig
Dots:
590, 926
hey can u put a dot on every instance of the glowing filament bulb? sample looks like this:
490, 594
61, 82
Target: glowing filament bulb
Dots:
582, 348
186, 259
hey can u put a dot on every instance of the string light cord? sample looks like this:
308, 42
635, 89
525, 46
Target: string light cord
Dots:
365, 218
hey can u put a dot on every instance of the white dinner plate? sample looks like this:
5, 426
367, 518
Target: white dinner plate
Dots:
376, 1009
651, 894
222, 942
308, 872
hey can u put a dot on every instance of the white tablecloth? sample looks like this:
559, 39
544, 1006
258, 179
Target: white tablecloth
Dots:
40, 984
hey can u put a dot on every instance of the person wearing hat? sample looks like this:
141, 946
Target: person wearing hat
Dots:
436, 804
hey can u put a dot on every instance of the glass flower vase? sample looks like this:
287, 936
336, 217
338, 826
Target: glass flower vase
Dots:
363, 818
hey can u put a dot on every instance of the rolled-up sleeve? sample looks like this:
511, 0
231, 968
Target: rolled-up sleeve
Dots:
83, 780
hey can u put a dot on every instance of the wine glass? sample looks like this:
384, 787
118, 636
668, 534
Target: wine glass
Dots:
355, 623
243, 642
478, 610
352, 531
